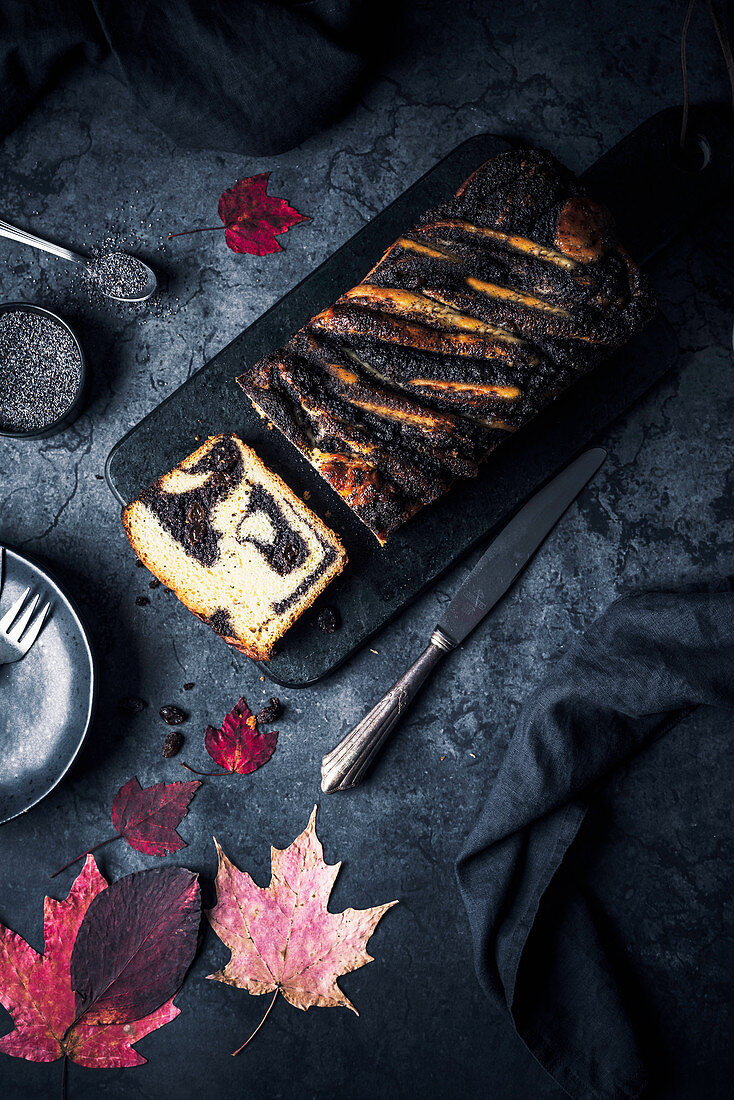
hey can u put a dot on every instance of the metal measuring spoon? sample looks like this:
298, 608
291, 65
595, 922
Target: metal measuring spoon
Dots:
91, 265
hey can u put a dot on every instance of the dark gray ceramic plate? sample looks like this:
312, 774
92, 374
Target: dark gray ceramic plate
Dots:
46, 699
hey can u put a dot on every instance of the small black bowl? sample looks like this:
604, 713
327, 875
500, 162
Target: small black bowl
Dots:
77, 403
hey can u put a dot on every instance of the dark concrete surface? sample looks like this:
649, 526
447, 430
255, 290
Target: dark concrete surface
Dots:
574, 77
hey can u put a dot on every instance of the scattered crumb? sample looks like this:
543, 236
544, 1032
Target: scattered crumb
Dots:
172, 744
270, 712
131, 704
328, 620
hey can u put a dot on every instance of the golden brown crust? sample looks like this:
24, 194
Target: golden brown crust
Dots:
486, 310
583, 230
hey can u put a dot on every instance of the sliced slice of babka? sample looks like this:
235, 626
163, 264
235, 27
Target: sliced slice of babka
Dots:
234, 543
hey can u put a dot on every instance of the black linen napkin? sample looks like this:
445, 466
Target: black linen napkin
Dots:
539, 947
247, 76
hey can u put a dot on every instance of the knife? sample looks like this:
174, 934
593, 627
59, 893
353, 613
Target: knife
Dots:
345, 766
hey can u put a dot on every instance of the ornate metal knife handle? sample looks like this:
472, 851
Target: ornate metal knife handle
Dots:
345, 766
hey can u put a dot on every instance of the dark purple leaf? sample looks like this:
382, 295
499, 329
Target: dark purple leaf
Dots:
147, 816
135, 944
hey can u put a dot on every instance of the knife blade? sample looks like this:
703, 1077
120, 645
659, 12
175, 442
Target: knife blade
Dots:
489, 580
513, 547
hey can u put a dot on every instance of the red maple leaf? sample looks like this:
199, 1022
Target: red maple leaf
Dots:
146, 817
237, 746
283, 939
36, 990
252, 218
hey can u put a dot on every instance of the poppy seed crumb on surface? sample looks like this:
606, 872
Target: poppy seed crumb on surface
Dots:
131, 704
328, 620
40, 371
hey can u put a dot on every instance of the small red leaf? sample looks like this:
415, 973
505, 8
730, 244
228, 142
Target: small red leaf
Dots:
238, 746
147, 816
136, 942
252, 218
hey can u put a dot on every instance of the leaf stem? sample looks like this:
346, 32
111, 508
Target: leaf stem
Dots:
83, 854
190, 769
187, 232
267, 1013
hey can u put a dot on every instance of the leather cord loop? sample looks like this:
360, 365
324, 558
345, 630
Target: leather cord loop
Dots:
723, 37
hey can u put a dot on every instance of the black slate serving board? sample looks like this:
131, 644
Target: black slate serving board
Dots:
378, 583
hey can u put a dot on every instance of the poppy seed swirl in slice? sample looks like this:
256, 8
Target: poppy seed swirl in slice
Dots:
234, 543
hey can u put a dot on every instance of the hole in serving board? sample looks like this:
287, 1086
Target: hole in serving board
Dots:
694, 157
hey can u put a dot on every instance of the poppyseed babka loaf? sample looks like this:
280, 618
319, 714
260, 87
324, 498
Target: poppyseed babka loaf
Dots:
234, 543
472, 321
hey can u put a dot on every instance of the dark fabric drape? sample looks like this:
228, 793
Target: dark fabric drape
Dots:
540, 945
249, 76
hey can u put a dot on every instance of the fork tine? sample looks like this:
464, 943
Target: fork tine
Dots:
7, 620
35, 629
14, 635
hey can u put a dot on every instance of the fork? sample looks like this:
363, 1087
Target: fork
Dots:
15, 638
